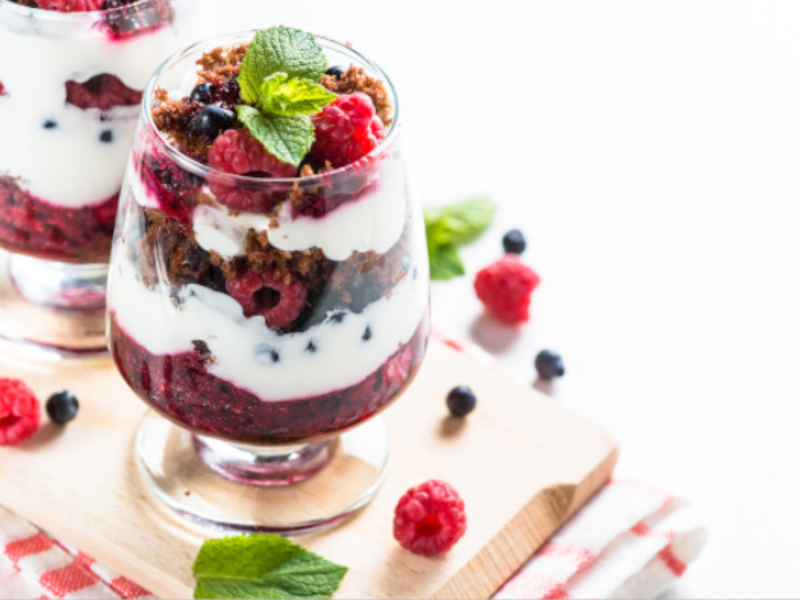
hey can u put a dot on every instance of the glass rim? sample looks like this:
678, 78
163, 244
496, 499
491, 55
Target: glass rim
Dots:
197, 168
82, 15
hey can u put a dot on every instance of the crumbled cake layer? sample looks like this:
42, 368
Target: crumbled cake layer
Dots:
169, 251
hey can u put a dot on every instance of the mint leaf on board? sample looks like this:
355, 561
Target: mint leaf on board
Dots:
445, 262
461, 222
280, 50
263, 566
289, 97
448, 227
287, 138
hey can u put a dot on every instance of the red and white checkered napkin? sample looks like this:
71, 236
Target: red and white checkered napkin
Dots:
631, 540
35, 566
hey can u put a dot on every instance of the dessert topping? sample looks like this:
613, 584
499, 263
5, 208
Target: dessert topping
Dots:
279, 81
346, 130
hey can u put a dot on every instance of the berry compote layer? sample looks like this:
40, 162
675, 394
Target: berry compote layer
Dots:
71, 81
256, 300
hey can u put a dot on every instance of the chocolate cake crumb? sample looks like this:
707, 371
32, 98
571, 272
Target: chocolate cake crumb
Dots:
174, 119
222, 63
355, 79
169, 251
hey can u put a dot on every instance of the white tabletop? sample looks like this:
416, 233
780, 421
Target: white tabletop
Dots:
651, 153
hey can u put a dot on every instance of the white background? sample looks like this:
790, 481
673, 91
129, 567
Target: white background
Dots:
651, 153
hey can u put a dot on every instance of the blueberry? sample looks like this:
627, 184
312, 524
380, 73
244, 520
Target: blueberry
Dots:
107, 136
202, 93
549, 365
367, 334
461, 401
62, 407
514, 242
336, 71
214, 120
50, 124
312, 347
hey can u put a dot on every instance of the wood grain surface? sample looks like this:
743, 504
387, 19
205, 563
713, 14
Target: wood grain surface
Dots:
522, 464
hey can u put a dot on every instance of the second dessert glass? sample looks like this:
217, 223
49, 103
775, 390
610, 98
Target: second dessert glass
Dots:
70, 89
262, 337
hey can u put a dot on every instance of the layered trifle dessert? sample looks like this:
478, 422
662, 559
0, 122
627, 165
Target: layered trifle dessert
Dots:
71, 79
269, 282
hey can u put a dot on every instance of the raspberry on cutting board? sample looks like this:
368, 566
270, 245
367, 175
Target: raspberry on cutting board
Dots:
19, 412
505, 288
430, 518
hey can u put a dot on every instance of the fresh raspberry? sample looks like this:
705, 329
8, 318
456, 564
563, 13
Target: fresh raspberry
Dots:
102, 91
346, 129
505, 288
71, 5
430, 518
279, 301
237, 151
19, 412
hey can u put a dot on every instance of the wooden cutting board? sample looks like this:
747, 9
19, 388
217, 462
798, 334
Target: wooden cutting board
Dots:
522, 464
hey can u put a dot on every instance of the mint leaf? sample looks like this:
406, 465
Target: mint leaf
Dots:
263, 566
287, 138
445, 262
448, 227
280, 50
282, 95
461, 222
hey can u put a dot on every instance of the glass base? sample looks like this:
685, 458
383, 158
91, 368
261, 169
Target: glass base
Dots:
241, 488
51, 308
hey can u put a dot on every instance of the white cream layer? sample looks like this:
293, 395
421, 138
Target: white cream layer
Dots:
69, 165
244, 348
375, 221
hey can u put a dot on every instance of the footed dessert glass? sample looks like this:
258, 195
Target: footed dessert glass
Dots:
262, 336
70, 89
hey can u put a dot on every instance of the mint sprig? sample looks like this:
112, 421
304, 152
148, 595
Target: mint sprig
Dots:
287, 138
282, 95
280, 50
279, 81
263, 566
449, 227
